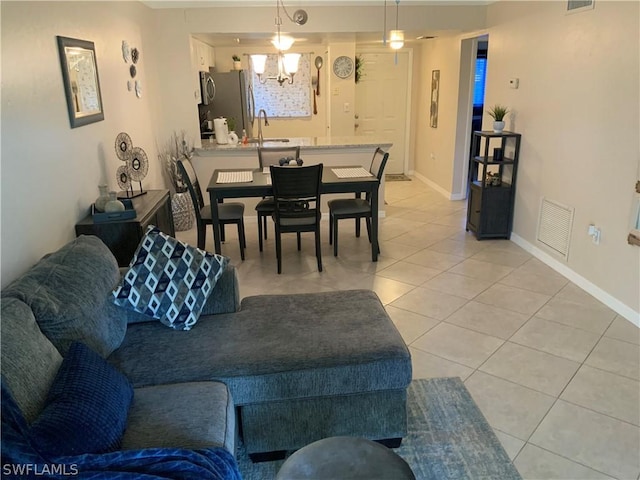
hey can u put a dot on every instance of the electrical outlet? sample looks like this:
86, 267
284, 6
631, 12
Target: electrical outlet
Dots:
433, 156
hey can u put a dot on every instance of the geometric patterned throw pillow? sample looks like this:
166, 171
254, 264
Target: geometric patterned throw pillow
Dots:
169, 280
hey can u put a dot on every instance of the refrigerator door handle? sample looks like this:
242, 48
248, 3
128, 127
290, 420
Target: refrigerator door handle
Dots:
252, 108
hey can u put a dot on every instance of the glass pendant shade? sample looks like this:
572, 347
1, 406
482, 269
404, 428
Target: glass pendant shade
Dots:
291, 62
396, 39
259, 62
282, 42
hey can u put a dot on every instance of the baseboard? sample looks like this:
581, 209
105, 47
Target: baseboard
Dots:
610, 301
439, 189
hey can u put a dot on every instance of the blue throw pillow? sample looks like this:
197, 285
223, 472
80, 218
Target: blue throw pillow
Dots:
86, 409
169, 280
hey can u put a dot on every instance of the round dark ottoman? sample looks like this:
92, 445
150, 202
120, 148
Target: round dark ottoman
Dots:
345, 458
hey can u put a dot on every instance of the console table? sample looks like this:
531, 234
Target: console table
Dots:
122, 237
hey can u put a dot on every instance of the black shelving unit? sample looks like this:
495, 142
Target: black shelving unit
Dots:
490, 200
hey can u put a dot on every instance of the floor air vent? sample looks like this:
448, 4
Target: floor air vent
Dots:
554, 226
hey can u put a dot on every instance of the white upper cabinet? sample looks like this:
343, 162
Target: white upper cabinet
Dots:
202, 58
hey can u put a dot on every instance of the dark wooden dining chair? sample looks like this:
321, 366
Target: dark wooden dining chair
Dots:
356, 207
228, 213
296, 191
270, 156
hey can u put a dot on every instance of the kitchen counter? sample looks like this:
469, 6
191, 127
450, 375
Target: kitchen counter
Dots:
305, 143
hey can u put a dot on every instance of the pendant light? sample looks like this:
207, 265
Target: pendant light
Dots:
396, 37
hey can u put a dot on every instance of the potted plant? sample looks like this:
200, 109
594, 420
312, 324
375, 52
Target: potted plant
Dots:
178, 147
237, 65
498, 112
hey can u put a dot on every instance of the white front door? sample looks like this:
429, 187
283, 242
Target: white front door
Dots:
381, 103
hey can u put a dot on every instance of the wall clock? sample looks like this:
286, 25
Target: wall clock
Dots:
343, 66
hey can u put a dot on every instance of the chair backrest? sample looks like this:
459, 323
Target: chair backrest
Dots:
271, 155
378, 163
296, 191
185, 167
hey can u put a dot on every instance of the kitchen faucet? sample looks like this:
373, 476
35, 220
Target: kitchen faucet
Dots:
266, 124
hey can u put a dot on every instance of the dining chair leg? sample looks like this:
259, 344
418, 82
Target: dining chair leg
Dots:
358, 227
330, 228
264, 220
202, 236
222, 239
241, 239
299, 241
260, 232
278, 251
335, 237
318, 250
368, 220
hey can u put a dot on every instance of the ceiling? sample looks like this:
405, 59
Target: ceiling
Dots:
371, 38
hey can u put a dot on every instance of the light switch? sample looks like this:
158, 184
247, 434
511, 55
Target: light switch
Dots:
336, 91
347, 107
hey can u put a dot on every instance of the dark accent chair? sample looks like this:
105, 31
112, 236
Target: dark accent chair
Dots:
229, 213
270, 156
356, 207
296, 191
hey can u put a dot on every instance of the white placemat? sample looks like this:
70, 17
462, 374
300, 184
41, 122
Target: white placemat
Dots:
351, 172
242, 176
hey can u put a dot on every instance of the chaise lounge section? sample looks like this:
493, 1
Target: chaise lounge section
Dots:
280, 370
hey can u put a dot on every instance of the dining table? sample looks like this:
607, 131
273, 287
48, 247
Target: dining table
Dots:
260, 185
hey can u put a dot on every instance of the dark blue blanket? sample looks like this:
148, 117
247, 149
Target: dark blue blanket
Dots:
21, 460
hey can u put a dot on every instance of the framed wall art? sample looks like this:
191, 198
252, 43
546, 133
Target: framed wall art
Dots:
435, 93
81, 81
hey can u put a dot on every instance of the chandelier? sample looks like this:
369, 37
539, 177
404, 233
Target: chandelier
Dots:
287, 62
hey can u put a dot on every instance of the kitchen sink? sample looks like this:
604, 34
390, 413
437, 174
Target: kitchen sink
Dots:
257, 140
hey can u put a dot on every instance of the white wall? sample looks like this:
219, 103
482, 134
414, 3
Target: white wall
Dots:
435, 147
50, 172
577, 111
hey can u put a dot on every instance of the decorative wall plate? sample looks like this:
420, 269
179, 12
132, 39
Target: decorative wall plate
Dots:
126, 51
138, 89
133, 71
138, 164
135, 55
123, 146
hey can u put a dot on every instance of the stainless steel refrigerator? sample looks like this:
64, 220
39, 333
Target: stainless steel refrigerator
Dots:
234, 99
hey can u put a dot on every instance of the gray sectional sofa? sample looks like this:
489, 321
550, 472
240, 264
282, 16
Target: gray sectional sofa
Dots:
280, 370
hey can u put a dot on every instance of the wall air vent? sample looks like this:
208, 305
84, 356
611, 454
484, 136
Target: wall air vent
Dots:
554, 226
574, 6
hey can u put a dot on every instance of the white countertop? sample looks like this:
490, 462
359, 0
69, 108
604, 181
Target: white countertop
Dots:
306, 143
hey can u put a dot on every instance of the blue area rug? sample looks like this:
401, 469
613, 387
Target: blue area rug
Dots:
448, 438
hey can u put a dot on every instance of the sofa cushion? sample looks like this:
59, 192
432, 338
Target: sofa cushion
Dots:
163, 416
69, 292
87, 407
29, 359
277, 347
169, 280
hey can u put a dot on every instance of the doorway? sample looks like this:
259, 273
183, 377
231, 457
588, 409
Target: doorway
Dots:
473, 63
382, 108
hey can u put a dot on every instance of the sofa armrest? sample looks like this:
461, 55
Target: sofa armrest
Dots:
225, 297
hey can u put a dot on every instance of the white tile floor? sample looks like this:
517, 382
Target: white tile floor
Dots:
555, 372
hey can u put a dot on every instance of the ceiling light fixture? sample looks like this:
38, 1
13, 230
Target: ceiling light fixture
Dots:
287, 62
